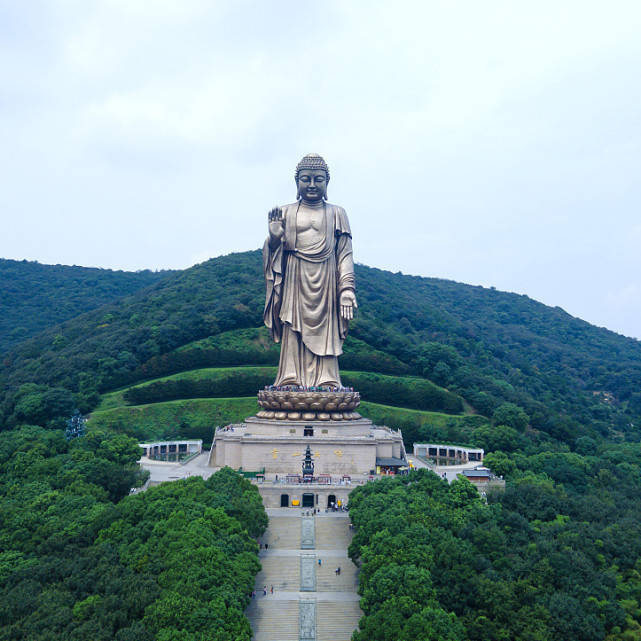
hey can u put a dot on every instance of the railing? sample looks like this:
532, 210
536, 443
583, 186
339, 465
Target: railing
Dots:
189, 457
251, 475
316, 482
142, 488
173, 457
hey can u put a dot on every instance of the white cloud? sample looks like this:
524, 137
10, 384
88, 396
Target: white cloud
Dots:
490, 143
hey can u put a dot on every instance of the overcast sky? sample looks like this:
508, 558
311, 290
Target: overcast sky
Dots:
492, 143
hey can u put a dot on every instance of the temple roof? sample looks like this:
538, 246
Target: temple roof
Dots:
391, 462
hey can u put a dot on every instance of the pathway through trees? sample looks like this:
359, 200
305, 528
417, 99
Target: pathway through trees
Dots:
310, 601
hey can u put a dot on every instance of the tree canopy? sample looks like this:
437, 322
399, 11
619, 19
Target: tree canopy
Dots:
555, 557
81, 558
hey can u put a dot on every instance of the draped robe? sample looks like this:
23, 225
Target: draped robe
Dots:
304, 280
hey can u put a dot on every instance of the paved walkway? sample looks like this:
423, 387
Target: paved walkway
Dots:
449, 472
162, 471
309, 602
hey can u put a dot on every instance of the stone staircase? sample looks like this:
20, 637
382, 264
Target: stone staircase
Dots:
283, 572
337, 621
332, 532
310, 601
283, 533
328, 581
273, 620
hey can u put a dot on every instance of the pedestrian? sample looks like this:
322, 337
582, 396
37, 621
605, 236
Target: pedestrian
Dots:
339, 570
319, 562
336, 571
272, 589
264, 590
266, 545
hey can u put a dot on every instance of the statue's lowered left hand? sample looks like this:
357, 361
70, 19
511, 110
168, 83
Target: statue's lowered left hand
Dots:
348, 304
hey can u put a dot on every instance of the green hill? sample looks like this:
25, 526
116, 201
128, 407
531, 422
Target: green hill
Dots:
489, 347
36, 296
555, 401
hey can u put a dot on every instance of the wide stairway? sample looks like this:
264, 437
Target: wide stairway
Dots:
311, 601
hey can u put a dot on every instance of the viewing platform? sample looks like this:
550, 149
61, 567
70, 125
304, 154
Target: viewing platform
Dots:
354, 448
323, 492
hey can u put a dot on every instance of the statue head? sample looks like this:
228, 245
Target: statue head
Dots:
312, 176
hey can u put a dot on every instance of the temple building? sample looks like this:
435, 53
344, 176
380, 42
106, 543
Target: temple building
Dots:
345, 453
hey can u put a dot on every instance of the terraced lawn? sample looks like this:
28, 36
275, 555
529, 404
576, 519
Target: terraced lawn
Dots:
198, 417
189, 418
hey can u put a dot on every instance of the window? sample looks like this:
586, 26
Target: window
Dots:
308, 431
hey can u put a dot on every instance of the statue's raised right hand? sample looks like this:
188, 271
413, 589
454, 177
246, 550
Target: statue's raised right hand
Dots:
276, 225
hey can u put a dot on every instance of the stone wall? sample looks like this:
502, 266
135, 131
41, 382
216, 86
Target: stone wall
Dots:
278, 447
285, 456
272, 494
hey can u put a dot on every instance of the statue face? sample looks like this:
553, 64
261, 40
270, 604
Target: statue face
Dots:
312, 184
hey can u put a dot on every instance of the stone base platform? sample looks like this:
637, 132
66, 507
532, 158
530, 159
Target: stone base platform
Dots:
278, 446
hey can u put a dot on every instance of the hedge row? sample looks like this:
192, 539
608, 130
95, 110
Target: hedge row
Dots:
414, 393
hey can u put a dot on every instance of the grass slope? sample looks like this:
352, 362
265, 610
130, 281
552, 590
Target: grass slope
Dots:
197, 418
192, 418
404, 391
111, 400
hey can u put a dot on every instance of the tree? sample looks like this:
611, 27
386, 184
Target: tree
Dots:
76, 426
42, 405
433, 353
585, 445
496, 437
433, 624
500, 463
511, 415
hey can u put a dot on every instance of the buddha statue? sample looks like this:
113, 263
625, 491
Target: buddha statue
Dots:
309, 275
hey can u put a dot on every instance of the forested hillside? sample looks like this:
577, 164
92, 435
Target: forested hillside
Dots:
80, 559
554, 401
572, 379
556, 557
34, 296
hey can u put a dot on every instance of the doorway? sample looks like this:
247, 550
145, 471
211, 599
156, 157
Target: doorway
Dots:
331, 500
308, 500
284, 500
